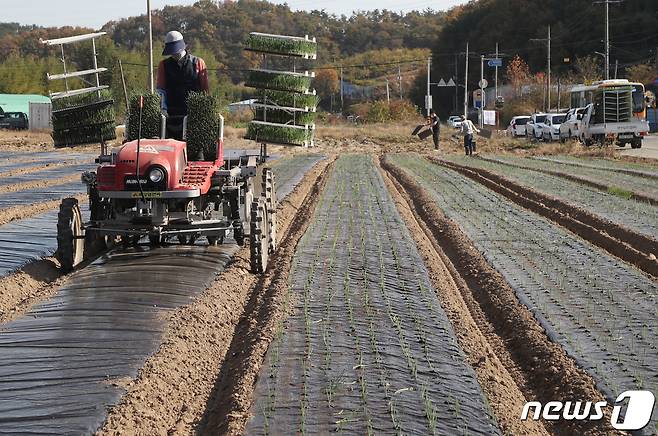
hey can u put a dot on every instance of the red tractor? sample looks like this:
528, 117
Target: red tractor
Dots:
149, 188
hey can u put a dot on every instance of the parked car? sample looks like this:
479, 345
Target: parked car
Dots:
13, 121
517, 126
533, 128
570, 128
550, 129
455, 121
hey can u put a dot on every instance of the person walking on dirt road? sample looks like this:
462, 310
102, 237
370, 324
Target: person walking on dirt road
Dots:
179, 75
435, 124
467, 129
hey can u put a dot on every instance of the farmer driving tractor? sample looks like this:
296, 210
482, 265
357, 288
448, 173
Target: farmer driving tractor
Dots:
179, 75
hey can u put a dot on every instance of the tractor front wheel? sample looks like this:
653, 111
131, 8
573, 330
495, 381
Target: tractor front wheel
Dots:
259, 236
70, 235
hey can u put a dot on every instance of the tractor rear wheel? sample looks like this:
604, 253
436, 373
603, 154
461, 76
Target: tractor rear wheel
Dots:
259, 236
269, 192
70, 235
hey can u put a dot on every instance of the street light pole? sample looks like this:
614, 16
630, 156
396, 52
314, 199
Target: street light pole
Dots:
607, 34
548, 68
496, 82
151, 82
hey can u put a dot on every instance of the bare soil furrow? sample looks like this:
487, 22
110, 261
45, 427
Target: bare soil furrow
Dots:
547, 371
582, 180
627, 245
589, 302
635, 215
504, 382
37, 167
607, 166
228, 406
179, 383
38, 184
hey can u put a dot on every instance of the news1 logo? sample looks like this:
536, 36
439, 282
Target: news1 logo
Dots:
639, 409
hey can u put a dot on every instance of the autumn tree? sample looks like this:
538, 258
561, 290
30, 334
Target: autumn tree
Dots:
518, 74
326, 83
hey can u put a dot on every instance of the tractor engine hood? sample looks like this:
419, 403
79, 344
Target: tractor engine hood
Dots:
166, 154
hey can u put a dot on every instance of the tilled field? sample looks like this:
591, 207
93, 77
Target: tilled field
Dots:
369, 349
623, 183
602, 311
403, 299
636, 215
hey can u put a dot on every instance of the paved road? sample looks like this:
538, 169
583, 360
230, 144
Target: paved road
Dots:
649, 148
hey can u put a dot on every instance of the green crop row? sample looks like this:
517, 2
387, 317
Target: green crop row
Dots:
281, 45
279, 134
150, 116
83, 119
287, 99
88, 134
202, 125
279, 81
282, 116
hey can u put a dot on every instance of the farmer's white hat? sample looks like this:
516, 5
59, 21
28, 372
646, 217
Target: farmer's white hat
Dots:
174, 43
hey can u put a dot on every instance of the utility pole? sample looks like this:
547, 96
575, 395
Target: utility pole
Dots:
151, 82
341, 89
482, 91
607, 34
456, 81
496, 81
548, 94
428, 98
616, 67
466, 85
388, 93
400, 80
548, 67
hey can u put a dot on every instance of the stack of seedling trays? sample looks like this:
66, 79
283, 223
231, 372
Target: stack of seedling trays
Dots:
83, 119
285, 109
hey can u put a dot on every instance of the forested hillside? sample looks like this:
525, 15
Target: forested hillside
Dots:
521, 27
217, 33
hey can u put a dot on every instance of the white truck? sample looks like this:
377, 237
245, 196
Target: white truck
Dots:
611, 113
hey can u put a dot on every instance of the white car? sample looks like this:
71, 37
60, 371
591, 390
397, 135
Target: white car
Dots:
550, 129
570, 128
533, 128
517, 126
455, 121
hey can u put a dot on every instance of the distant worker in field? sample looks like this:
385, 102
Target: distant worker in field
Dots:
435, 124
467, 129
179, 74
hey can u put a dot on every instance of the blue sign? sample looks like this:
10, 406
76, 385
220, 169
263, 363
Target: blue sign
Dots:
495, 62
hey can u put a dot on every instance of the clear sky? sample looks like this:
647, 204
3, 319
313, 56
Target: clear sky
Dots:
96, 13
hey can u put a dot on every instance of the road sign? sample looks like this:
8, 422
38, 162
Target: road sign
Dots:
442, 82
451, 83
477, 98
483, 83
495, 62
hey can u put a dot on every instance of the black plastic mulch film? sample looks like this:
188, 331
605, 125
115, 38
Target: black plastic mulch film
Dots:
636, 215
59, 363
369, 348
601, 310
289, 171
633, 183
30, 239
